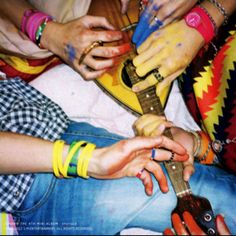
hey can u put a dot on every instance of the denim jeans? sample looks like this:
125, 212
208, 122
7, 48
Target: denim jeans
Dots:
105, 207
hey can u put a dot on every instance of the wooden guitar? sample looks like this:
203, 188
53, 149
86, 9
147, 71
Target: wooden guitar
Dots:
114, 82
150, 102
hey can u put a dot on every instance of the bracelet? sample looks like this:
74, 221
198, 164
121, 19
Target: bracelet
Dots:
197, 142
201, 21
69, 157
84, 159
32, 21
221, 10
206, 154
40, 32
57, 157
211, 18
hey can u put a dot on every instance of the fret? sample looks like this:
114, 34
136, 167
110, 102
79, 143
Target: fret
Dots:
150, 103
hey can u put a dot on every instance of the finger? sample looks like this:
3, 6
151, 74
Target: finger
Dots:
178, 225
168, 80
142, 25
146, 22
155, 61
109, 52
148, 53
164, 155
142, 85
221, 226
152, 27
147, 182
97, 21
155, 129
88, 74
172, 146
157, 171
191, 224
98, 64
188, 171
104, 36
168, 232
147, 119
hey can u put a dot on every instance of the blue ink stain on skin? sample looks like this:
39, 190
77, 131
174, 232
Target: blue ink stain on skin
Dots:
179, 45
71, 52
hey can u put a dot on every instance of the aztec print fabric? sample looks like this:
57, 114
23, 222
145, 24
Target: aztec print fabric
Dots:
209, 89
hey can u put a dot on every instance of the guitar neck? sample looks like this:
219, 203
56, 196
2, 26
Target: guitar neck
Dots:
151, 104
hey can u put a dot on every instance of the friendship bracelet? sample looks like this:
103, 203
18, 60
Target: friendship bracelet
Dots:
221, 10
40, 32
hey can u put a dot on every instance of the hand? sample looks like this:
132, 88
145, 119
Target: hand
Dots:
124, 6
171, 50
153, 125
128, 157
69, 41
164, 11
190, 227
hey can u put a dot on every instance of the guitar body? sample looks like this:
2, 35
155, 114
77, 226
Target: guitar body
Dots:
114, 82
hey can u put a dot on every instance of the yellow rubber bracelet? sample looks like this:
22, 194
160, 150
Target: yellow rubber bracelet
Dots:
69, 157
56, 148
60, 147
90, 148
83, 155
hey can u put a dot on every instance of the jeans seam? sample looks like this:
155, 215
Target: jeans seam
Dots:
20, 213
93, 135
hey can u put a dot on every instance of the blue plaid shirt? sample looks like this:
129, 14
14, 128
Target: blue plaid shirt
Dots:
26, 111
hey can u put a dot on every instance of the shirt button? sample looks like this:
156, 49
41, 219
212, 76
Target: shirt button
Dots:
16, 194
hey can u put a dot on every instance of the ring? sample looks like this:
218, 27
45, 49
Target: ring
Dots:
139, 174
157, 21
153, 153
172, 156
88, 49
158, 76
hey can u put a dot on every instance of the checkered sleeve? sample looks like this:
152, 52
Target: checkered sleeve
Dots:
26, 111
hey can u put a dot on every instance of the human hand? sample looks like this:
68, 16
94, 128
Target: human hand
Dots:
190, 227
129, 157
71, 39
159, 13
150, 125
169, 51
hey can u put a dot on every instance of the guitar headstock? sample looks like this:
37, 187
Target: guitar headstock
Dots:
200, 209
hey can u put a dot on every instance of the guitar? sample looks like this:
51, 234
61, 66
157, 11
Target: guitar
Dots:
114, 82
150, 102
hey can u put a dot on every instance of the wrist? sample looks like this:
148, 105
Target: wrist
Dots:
201, 21
203, 151
48, 36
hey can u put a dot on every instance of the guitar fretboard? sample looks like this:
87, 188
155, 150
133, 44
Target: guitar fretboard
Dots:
151, 104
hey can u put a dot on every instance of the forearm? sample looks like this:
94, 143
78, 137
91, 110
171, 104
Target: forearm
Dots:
24, 154
14, 10
229, 6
